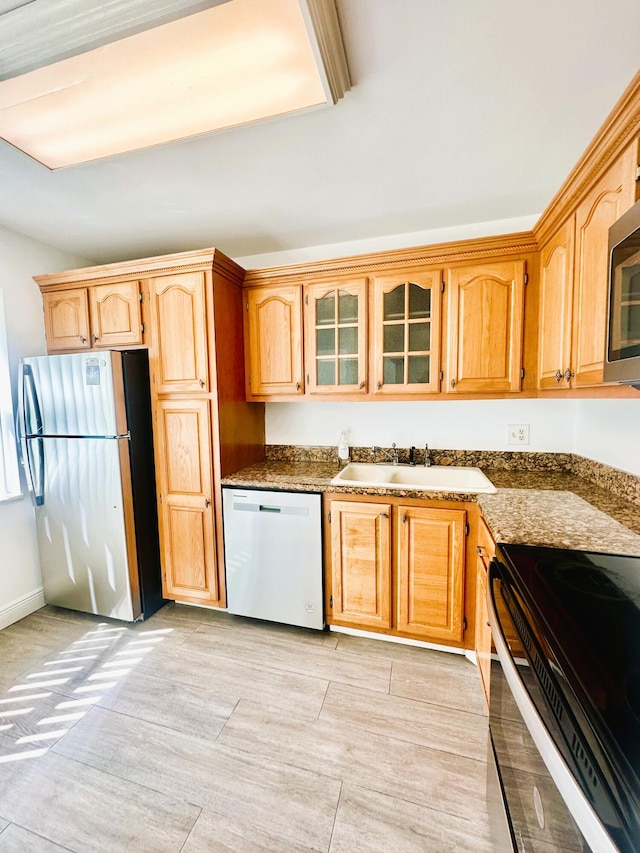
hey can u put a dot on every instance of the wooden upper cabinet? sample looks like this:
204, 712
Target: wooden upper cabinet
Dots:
361, 563
555, 316
114, 310
178, 352
430, 572
485, 326
336, 337
273, 335
66, 319
184, 468
611, 196
406, 333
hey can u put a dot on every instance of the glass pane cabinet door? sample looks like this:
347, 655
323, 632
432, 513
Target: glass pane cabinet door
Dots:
407, 333
336, 337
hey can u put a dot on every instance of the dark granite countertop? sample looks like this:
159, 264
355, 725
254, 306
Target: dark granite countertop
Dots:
545, 507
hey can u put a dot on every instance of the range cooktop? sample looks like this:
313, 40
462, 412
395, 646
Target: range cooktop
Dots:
586, 610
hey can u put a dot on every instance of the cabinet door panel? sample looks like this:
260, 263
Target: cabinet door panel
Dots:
361, 563
555, 318
336, 337
485, 324
431, 572
406, 333
608, 200
183, 463
178, 353
66, 319
115, 314
274, 336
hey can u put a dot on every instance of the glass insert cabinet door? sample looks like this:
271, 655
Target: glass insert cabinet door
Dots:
406, 329
336, 345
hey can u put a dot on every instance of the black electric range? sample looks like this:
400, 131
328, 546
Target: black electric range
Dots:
577, 615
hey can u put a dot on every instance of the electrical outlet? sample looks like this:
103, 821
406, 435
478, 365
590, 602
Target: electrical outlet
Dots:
517, 433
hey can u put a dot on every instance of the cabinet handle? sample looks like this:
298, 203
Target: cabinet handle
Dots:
207, 503
378, 385
558, 375
404, 517
361, 385
384, 515
202, 383
453, 383
297, 386
95, 339
568, 374
479, 549
83, 340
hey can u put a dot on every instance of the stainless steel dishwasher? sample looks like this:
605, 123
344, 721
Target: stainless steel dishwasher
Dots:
273, 555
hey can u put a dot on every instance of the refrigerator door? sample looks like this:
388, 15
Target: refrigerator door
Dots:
81, 527
73, 394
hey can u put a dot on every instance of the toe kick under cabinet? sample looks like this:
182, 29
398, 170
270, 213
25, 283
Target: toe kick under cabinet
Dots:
397, 566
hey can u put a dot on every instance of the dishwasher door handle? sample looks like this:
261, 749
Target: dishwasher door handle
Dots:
238, 506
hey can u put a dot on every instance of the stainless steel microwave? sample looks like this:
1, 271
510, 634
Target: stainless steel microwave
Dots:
622, 363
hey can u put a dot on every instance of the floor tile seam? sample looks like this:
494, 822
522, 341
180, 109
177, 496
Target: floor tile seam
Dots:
190, 833
395, 739
271, 667
434, 704
408, 740
40, 835
472, 821
153, 723
335, 817
227, 720
169, 796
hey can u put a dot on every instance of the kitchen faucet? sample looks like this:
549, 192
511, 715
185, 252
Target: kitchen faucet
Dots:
394, 455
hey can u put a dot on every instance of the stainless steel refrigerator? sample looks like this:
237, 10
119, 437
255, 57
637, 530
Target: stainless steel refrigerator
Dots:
87, 448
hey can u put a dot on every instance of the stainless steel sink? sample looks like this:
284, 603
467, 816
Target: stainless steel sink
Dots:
435, 478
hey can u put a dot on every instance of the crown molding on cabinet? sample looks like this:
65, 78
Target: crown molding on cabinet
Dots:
202, 259
617, 131
438, 253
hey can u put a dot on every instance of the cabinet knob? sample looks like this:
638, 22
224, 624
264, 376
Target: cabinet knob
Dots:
95, 339
297, 386
202, 383
384, 515
479, 549
378, 385
404, 517
568, 374
83, 340
207, 503
453, 383
361, 385
558, 375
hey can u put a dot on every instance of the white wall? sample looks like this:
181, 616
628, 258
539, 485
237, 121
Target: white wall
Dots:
20, 259
609, 431
455, 424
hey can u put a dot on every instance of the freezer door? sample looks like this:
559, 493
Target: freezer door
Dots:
73, 394
81, 529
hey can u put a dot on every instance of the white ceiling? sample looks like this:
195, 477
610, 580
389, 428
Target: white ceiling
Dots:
461, 111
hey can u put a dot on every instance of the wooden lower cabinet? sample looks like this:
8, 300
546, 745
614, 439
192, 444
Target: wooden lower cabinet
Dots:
396, 568
361, 563
430, 572
483, 645
185, 488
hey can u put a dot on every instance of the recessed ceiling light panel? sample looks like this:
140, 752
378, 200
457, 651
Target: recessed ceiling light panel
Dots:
237, 62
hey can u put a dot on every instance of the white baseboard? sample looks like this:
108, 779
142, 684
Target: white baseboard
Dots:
21, 607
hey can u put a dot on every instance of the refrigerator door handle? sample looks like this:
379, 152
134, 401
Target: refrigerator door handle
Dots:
28, 403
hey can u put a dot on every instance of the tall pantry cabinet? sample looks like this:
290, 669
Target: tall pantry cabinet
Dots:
203, 429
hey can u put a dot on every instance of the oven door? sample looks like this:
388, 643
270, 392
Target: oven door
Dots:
545, 806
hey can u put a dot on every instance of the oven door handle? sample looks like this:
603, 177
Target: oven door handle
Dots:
580, 808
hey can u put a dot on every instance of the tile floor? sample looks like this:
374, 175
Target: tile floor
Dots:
198, 731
